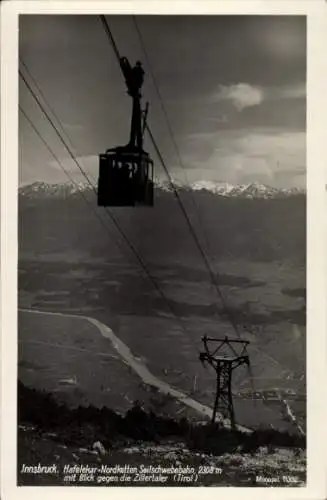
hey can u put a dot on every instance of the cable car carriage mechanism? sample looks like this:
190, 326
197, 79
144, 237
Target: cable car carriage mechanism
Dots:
126, 172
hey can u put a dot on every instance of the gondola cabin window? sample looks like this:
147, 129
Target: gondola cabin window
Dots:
125, 180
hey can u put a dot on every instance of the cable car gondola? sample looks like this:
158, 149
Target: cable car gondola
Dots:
126, 172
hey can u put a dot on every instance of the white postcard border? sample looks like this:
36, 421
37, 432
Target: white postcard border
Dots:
316, 234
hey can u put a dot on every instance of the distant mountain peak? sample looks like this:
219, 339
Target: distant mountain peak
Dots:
251, 190
60, 190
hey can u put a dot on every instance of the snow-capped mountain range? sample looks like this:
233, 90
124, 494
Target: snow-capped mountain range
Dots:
253, 190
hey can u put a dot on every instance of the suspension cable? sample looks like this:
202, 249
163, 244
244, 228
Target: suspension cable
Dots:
50, 108
110, 35
46, 144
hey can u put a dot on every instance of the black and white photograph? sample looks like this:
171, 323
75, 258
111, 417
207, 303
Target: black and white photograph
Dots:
162, 250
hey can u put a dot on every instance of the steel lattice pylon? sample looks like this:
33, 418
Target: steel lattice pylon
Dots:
224, 358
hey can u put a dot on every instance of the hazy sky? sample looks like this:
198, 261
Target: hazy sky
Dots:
234, 88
